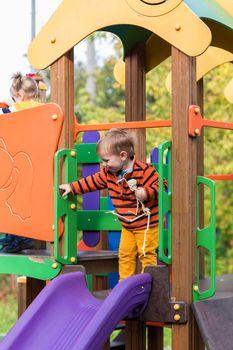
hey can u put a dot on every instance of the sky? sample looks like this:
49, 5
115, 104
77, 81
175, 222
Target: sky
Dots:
15, 29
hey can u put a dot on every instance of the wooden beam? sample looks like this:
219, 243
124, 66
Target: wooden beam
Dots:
184, 172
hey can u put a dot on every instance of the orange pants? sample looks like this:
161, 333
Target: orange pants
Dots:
131, 245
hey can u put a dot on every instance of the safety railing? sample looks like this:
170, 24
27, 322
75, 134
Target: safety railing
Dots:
206, 238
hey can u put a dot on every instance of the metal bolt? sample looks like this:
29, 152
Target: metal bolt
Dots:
177, 317
88, 220
196, 288
54, 117
115, 220
88, 152
197, 131
73, 206
176, 307
73, 259
53, 39
54, 265
73, 153
177, 27
53, 227
196, 110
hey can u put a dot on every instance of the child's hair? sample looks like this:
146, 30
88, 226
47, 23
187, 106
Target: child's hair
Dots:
117, 140
25, 83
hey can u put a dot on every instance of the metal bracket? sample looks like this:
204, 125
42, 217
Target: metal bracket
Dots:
195, 121
161, 307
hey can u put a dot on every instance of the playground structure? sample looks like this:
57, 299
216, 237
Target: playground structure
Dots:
150, 31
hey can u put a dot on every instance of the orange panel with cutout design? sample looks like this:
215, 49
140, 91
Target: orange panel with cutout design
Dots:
28, 142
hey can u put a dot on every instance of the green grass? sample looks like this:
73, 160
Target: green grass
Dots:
8, 305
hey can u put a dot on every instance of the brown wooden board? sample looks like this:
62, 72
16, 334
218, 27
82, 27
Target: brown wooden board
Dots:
214, 317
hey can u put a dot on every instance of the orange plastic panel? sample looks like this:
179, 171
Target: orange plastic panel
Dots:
28, 141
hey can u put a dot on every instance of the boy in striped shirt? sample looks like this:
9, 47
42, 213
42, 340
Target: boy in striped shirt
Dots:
133, 188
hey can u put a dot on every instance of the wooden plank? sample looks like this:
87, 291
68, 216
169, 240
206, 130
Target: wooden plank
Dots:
184, 169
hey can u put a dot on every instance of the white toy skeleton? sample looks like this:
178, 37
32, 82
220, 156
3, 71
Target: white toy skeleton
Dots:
132, 183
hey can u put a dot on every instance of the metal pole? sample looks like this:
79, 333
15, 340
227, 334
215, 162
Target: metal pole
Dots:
33, 19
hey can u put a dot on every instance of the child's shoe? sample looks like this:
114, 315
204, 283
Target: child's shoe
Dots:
8, 239
19, 244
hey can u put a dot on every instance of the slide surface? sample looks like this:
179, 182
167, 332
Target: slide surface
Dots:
65, 315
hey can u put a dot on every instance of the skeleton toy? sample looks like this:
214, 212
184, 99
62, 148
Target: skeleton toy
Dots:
132, 183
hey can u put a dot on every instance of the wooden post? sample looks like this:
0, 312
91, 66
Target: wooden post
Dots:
28, 289
200, 171
135, 109
21, 294
155, 338
184, 172
135, 93
135, 334
62, 92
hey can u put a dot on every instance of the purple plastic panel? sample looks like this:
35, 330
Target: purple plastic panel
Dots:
65, 315
91, 200
154, 156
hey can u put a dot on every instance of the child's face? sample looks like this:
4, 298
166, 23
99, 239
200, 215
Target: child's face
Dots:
113, 162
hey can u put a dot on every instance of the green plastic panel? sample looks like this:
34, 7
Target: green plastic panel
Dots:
63, 211
165, 207
86, 153
104, 203
165, 169
206, 238
129, 35
97, 220
30, 266
211, 10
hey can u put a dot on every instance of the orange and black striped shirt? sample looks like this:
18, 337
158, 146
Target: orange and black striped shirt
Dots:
122, 197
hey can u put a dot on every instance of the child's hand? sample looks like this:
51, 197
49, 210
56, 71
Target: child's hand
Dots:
64, 189
140, 194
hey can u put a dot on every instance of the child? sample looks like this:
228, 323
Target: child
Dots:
133, 188
24, 91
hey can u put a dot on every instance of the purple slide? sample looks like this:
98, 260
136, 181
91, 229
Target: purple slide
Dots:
65, 315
